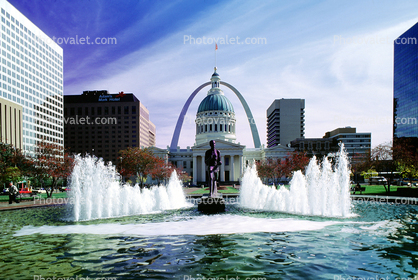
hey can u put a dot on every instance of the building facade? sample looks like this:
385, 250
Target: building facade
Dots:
285, 121
102, 124
357, 144
405, 85
11, 130
318, 147
32, 77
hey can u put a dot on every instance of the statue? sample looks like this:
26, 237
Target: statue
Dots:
212, 160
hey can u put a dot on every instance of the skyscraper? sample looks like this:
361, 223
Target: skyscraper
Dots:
32, 77
102, 124
285, 121
405, 85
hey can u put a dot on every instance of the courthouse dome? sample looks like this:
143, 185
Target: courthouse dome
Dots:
215, 100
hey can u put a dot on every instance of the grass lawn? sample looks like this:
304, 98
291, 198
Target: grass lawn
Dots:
229, 190
377, 190
43, 196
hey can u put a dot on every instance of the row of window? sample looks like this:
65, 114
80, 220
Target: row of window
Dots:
215, 128
100, 111
31, 37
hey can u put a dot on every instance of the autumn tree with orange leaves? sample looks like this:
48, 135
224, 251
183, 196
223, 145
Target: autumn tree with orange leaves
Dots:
274, 169
143, 163
52, 161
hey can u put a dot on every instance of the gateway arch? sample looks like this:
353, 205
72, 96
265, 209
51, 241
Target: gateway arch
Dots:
253, 127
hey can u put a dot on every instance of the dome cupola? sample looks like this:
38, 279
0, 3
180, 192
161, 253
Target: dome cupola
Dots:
215, 118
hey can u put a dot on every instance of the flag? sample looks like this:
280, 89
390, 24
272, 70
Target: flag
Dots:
216, 47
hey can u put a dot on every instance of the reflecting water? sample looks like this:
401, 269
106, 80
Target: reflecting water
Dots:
379, 241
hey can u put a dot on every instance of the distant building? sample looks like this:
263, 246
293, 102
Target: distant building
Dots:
31, 79
102, 124
285, 121
405, 86
356, 144
318, 147
11, 130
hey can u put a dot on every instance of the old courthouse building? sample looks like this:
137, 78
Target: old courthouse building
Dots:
215, 120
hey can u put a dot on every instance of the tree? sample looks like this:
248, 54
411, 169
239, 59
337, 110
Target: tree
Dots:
161, 170
275, 169
405, 156
13, 164
293, 162
12, 174
137, 162
52, 161
265, 169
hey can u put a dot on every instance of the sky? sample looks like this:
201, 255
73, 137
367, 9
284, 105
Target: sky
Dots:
337, 55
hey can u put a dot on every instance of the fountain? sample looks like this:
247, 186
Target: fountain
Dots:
97, 193
311, 230
322, 191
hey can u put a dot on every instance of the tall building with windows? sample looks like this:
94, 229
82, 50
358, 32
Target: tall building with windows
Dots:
405, 85
285, 121
102, 124
32, 78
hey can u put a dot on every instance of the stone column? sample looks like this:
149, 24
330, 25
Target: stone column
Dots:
223, 169
240, 166
232, 172
203, 169
194, 170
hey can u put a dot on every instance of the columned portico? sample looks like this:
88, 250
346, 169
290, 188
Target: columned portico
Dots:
230, 152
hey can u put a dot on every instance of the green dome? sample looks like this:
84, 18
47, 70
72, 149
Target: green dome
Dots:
215, 102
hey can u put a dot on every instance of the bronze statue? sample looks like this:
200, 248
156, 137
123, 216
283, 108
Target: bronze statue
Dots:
212, 160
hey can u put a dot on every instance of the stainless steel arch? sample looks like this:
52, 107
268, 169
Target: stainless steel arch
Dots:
253, 126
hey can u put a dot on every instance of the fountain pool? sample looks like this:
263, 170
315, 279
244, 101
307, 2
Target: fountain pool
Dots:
366, 240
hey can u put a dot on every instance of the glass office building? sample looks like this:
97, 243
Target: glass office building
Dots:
405, 86
32, 77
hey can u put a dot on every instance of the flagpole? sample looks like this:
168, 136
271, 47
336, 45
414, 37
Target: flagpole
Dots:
216, 48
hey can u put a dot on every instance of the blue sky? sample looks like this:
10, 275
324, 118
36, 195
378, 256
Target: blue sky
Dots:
337, 55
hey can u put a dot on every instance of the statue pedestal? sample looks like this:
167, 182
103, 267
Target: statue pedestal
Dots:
211, 205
